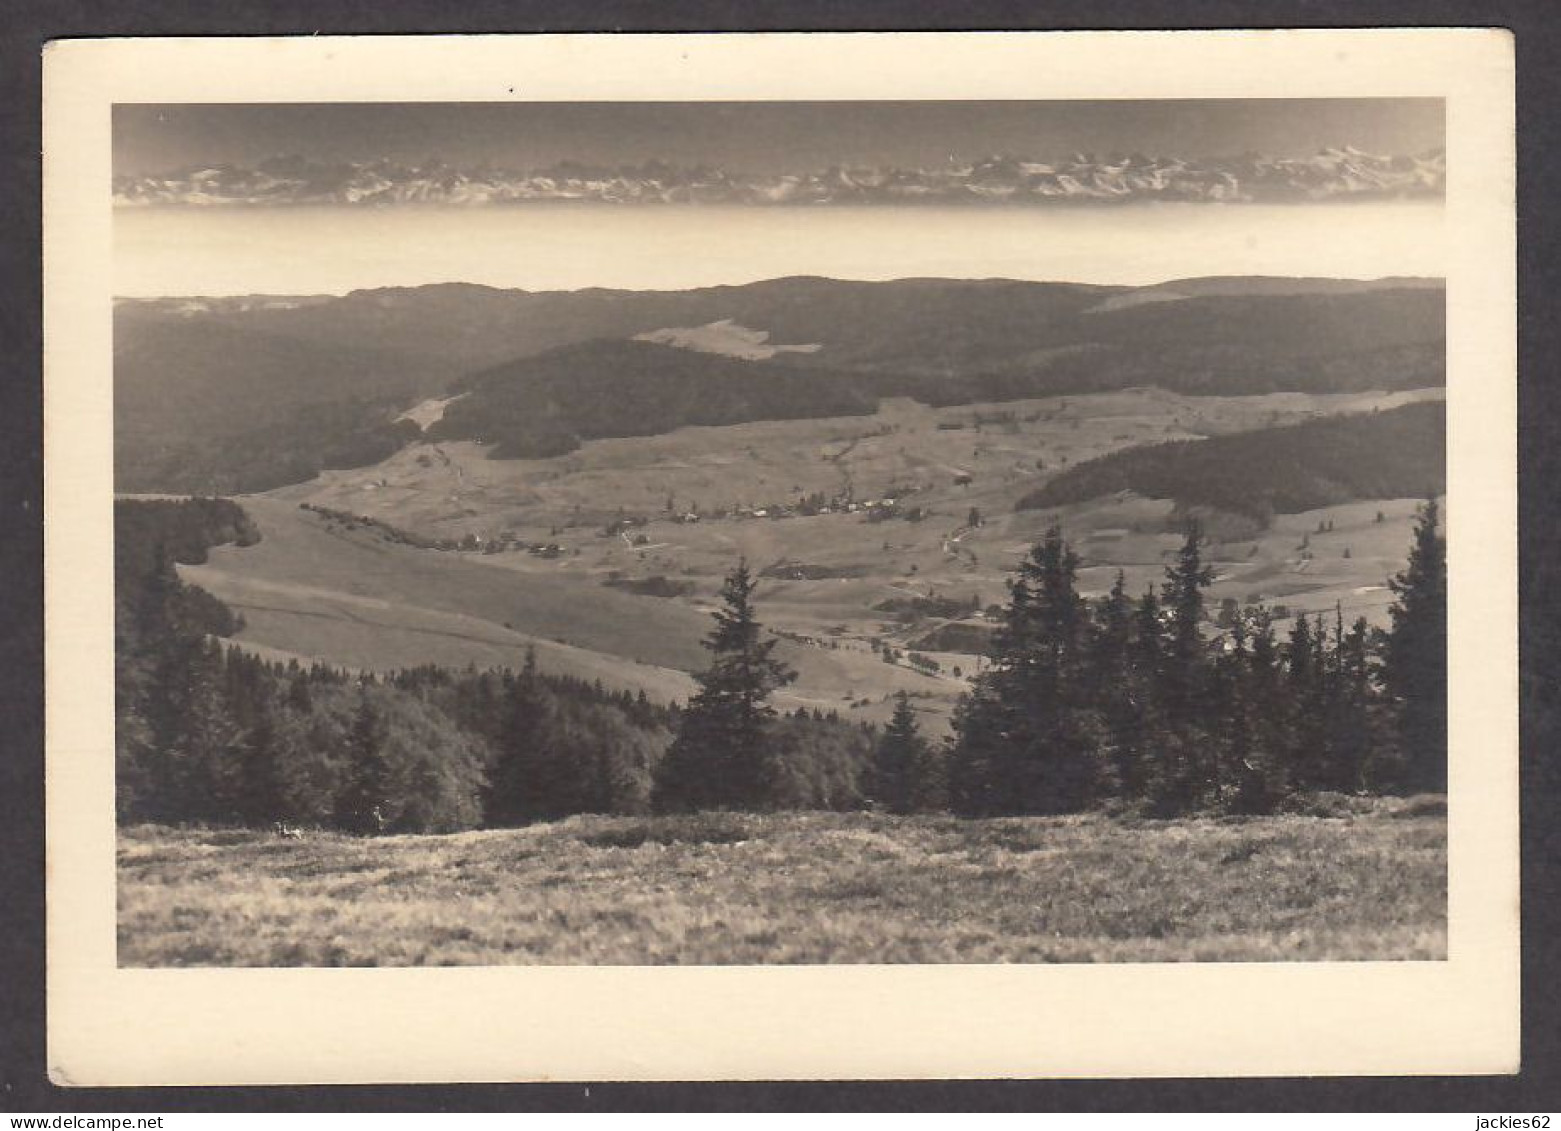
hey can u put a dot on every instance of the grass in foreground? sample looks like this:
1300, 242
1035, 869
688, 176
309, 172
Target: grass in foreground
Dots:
795, 888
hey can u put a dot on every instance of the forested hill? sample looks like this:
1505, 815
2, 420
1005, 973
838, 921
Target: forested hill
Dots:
151, 533
1393, 454
151, 536
1222, 344
271, 451
546, 406
227, 395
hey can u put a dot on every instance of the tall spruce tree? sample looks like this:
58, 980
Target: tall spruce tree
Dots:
1117, 690
722, 755
900, 761
1148, 668
1028, 738
260, 799
1269, 777
361, 807
1233, 683
194, 766
1184, 771
1350, 736
1184, 596
1414, 667
522, 785
1304, 707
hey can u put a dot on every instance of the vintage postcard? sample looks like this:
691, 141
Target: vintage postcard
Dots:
781, 556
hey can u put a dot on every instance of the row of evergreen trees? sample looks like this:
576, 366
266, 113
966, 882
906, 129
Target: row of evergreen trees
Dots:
1119, 699
218, 735
1084, 702
210, 733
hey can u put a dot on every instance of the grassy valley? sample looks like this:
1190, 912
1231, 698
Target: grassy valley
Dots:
491, 528
828, 580
316, 589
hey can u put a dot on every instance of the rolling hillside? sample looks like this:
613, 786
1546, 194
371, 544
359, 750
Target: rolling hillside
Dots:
834, 583
220, 375
192, 374
351, 597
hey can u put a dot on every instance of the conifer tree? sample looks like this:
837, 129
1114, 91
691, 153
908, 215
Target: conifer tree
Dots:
1183, 770
1254, 776
194, 742
1184, 586
1270, 719
1149, 636
1244, 784
361, 807
1148, 671
520, 785
260, 798
1117, 688
1414, 667
721, 757
1350, 737
1300, 655
901, 761
1028, 737
1304, 706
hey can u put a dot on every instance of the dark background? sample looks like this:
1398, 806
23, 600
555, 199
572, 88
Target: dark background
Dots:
24, 27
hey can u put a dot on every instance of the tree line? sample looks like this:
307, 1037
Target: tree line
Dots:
1132, 699
1122, 700
206, 732
1119, 700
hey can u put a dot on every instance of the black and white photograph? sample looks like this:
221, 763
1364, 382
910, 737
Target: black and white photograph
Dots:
782, 533
723, 533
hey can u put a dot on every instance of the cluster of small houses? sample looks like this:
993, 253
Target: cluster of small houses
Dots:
874, 510
888, 506
471, 543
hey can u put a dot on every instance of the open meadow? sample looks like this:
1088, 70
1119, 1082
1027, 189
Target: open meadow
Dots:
630, 609
1366, 882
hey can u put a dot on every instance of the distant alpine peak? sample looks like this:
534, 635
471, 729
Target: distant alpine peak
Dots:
1333, 173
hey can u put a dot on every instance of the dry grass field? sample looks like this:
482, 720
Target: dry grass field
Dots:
797, 888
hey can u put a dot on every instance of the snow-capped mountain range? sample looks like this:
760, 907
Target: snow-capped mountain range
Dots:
1331, 174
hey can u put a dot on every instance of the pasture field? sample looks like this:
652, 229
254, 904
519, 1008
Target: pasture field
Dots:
353, 597
348, 597
1368, 883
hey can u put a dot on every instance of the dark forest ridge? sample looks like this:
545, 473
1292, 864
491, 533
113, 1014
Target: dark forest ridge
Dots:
545, 406
252, 393
1268, 471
